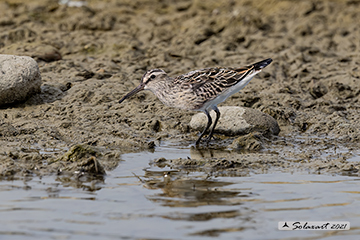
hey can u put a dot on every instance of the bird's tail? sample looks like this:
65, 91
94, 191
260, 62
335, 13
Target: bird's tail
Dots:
262, 64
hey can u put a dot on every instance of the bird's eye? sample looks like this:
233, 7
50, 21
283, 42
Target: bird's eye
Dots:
152, 76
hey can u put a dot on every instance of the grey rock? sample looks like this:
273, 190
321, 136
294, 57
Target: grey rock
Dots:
19, 78
238, 121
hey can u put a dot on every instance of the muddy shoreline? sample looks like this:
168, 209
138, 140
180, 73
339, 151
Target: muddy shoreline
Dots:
90, 56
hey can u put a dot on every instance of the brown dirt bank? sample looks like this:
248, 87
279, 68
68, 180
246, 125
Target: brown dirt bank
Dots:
91, 56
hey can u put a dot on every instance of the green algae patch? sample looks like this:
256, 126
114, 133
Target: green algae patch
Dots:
81, 159
78, 152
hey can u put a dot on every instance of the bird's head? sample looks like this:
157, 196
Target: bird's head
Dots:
148, 80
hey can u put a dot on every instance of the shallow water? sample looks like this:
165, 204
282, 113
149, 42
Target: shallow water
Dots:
137, 201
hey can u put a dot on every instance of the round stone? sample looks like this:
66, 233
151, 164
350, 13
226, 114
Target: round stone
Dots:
19, 78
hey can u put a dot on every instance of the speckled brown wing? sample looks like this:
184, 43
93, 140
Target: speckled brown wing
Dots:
210, 82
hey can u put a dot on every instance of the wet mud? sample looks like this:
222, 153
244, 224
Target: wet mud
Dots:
90, 56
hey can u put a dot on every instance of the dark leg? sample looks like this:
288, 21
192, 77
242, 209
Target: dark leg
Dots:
216, 120
207, 127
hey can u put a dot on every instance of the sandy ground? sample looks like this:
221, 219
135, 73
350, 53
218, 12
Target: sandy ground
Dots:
91, 56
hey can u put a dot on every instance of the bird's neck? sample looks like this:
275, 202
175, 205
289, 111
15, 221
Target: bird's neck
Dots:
166, 91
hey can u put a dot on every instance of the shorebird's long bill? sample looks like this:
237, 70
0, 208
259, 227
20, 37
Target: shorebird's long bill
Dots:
133, 92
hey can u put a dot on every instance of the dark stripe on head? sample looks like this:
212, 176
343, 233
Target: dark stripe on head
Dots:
147, 75
154, 70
